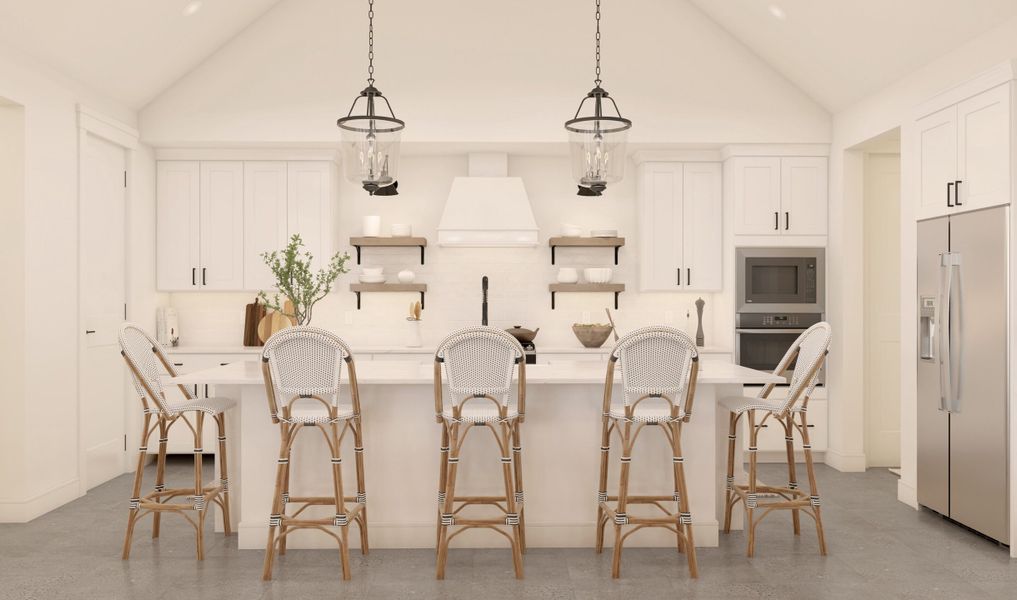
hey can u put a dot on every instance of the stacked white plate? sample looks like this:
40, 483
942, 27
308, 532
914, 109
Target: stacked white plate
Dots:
372, 279
603, 233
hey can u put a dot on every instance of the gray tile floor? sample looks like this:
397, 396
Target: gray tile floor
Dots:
879, 549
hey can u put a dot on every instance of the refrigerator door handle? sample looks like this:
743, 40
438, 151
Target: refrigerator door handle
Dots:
956, 322
943, 322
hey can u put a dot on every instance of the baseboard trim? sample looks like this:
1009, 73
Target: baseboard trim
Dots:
24, 511
845, 463
907, 493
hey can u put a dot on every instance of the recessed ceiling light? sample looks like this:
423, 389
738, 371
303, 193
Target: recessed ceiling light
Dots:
192, 7
777, 12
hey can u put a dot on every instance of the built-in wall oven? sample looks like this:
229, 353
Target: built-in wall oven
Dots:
780, 294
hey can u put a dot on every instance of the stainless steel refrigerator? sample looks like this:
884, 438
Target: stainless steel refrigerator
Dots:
962, 369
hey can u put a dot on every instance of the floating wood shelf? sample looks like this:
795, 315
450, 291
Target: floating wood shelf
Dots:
586, 242
357, 288
389, 242
615, 288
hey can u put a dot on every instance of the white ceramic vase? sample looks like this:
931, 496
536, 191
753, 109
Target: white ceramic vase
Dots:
413, 337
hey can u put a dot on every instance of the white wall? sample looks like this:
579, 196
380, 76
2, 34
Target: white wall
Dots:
518, 276
890, 108
49, 401
484, 72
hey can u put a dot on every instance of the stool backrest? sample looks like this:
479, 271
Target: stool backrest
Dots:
147, 362
656, 361
304, 361
479, 361
809, 352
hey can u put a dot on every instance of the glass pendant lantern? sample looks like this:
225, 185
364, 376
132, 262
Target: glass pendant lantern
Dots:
597, 136
369, 138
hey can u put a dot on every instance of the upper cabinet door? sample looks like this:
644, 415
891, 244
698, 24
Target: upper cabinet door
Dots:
803, 195
756, 182
660, 226
222, 225
937, 148
983, 150
309, 207
177, 214
703, 216
265, 228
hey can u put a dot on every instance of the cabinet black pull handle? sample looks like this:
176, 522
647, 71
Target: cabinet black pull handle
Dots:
810, 425
89, 331
949, 186
194, 274
956, 193
178, 364
688, 276
203, 275
787, 221
679, 275
776, 220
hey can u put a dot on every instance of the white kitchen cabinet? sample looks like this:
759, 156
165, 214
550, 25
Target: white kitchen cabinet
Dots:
779, 195
964, 155
265, 230
309, 207
681, 222
178, 216
222, 225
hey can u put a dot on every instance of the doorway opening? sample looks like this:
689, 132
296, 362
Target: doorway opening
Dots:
881, 193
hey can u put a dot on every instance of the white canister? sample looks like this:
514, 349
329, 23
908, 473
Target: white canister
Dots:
413, 337
568, 275
401, 230
372, 226
406, 276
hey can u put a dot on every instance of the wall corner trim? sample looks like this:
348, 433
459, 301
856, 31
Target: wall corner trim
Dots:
845, 463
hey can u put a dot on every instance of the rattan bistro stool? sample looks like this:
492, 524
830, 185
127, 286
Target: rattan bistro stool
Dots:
809, 352
302, 369
478, 364
659, 366
146, 361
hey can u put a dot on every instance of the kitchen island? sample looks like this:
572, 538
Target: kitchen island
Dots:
561, 454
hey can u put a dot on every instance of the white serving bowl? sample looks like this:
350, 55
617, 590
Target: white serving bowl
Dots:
603, 233
568, 230
568, 275
597, 275
372, 279
372, 271
401, 230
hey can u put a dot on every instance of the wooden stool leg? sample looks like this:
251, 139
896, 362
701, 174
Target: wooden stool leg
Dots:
792, 476
504, 437
517, 464
605, 452
447, 509
358, 450
281, 549
813, 488
623, 492
750, 504
200, 541
729, 493
685, 514
442, 483
160, 473
277, 505
224, 478
132, 516
340, 501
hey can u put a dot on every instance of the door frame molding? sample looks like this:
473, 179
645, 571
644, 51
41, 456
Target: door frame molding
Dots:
92, 122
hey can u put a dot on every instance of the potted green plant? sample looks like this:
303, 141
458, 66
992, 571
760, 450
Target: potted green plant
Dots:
296, 281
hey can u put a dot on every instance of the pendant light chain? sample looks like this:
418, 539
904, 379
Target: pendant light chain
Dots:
370, 41
597, 80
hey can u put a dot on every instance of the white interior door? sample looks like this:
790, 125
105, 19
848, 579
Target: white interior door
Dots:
102, 305
264, 219
702, 226
937, 148
660, 215
803, 195
222, 225
756, 194
983, 150
882, 310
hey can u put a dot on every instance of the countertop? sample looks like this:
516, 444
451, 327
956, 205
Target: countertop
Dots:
371, 372
359, 350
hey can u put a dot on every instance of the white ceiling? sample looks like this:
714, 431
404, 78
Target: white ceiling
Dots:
839, 51
129, 50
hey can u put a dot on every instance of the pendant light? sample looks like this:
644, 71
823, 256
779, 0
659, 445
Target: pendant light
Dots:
597, 140
370, 140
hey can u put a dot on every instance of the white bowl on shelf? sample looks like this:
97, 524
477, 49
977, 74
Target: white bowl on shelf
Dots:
603, 233
402, 230
372, 271
568, 275
568, 230
372, 279
597, 274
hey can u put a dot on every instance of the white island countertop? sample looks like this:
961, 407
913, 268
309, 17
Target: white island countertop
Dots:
379, 349
372, 372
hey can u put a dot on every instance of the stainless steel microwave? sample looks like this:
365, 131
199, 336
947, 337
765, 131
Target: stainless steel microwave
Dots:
780, 280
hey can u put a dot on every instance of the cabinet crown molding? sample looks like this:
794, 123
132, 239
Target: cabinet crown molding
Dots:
999, 74
733, 150
642, 156
248, 154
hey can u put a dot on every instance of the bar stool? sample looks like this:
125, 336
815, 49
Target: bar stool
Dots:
144, 356
302, 371
478, 365
659, 366
808, 353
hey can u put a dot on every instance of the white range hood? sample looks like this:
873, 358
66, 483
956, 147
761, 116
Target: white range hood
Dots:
488, 209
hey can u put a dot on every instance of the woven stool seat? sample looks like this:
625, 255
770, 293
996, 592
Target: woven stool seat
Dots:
210, 406
646, 414
480, 414
740, 404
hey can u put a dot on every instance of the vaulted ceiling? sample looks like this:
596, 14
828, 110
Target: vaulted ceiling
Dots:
836, 51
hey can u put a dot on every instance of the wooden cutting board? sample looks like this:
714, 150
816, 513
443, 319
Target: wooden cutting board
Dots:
253, 314
275, 321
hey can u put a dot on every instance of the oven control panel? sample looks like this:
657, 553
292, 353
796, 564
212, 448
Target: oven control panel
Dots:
777, 320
